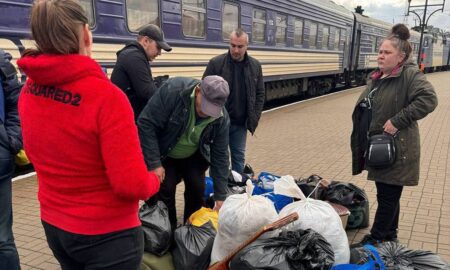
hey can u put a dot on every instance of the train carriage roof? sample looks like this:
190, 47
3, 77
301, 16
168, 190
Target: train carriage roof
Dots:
331, 6
372, 21
415, 36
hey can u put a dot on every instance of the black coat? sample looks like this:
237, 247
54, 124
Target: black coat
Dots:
164, 120
10, 131
221, 65
133, 75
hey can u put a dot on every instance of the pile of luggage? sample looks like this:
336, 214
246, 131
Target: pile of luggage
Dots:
316, 240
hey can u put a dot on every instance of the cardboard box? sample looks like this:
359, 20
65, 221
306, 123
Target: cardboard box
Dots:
342, 211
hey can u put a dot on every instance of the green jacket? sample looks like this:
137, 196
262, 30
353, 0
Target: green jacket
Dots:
404, 98
165, 118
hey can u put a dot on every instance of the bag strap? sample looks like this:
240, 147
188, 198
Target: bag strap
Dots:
374, 252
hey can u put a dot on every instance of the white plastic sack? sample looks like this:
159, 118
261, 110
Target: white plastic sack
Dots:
322, 218
286, 186
241, 216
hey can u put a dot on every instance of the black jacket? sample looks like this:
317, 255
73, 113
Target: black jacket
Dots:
10, 132
133, 75
164, 120
222, 65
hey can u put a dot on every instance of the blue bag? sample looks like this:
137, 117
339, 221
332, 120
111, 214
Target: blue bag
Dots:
209, 188
278, 200
374, 262
264, 183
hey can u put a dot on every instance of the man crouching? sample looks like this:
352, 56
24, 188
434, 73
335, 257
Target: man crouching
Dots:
184, 130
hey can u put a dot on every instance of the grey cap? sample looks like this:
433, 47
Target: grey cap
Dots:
155, 33
215, 92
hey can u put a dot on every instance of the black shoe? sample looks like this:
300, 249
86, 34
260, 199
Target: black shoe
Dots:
368, 239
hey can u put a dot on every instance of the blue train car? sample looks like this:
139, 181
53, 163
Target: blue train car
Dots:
435, 51
367, 36
304, 46
446, 51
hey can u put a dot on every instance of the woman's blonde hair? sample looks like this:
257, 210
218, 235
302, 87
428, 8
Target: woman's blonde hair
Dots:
55, 26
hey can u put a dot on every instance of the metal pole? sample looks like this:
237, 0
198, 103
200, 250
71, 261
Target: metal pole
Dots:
419, 58
420, 48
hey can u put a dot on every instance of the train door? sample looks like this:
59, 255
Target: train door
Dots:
271, 28
357, 49
427, 52
346, 34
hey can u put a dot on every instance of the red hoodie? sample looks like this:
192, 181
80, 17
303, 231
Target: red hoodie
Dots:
79, 133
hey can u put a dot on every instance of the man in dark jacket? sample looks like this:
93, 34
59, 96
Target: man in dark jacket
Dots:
132, 71
245, 103
184, 130
10, 144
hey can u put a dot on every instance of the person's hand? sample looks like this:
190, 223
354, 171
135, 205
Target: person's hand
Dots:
160, 172
389, 128
217, 206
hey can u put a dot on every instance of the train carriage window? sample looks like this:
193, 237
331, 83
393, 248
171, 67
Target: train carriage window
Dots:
344, 37
193, 21
337, 38
142, 12
298, 32
259, 26
312, 35
325, 37
374, 43
378, 43
230, 19
281, 29
89, 9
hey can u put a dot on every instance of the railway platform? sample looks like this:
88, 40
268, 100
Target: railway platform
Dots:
310, 137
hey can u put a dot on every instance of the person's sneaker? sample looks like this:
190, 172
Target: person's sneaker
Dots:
368, 239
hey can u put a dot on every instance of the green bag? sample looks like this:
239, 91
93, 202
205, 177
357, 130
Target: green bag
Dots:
153, 262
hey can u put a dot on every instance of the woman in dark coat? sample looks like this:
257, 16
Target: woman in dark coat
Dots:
399, 95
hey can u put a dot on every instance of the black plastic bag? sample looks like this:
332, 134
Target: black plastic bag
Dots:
157, 228
352, 197
193, 246
398, 257
308, 187
298, 250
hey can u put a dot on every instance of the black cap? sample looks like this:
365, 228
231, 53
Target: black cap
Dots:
155, 33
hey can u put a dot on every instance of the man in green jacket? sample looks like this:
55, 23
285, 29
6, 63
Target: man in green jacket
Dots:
183, 132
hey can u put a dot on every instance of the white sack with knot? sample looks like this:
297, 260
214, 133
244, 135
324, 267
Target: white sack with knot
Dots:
240, 216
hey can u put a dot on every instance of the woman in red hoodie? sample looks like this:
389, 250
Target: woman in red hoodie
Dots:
79, 132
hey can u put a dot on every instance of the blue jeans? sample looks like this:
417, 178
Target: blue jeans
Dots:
9, 258
238, 141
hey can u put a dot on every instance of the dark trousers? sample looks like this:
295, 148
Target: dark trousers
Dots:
385, 224
122, 250
9, 258
192, 171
